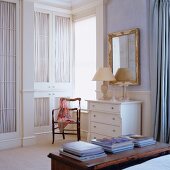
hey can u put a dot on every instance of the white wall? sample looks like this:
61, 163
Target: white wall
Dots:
28, 74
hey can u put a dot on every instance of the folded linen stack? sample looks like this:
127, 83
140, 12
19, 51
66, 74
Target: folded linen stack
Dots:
82, 151
141, 141
114, 145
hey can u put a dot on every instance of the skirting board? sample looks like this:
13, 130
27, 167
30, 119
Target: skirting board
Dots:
27, 141
17, 142
10, 143
44, 138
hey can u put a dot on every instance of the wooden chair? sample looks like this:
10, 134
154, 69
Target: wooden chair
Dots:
75, 115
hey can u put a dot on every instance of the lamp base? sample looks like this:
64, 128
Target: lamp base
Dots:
123, 99
124, 86
104, 90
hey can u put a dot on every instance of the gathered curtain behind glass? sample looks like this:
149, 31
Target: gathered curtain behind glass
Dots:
62, 49
41, 47
160, 68
7, 67
41, 115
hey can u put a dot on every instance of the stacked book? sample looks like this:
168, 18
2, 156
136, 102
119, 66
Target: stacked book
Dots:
114, 145
141, 141
82, 151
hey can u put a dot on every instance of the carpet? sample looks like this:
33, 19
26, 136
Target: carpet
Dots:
30, 157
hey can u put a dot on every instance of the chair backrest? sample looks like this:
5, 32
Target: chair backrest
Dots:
74, 105
74, 102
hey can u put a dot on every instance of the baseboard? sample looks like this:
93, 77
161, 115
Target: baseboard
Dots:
27, 141
10, 143
46, 137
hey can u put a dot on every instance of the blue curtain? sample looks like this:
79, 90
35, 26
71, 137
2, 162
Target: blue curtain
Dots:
160, 68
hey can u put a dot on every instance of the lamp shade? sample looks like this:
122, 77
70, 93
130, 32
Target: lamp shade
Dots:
123, 75
104, 74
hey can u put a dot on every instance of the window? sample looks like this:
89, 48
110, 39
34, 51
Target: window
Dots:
85, 58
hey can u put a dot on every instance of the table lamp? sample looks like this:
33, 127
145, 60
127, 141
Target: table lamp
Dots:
104, 74
124, 78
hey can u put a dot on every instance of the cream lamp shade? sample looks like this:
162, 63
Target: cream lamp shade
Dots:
104, 74
123, 75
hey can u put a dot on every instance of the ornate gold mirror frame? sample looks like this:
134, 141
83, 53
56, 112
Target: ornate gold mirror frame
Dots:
123, 51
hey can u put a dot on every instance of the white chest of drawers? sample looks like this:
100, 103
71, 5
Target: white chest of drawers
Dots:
112, 119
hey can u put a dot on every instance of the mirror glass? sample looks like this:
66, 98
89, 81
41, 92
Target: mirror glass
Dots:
123, 50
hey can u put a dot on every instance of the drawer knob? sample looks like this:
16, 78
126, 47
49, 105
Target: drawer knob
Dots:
113, 118
94, 126
93, 105
112, 107
94, 115
114, 130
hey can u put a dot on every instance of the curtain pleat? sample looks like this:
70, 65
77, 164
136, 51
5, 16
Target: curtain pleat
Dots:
41, 50
8, 67
160, 69
62, 49
41, 110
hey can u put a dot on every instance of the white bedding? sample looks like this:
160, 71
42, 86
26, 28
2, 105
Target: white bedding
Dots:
160, 163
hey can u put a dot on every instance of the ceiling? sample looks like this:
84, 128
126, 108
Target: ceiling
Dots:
65, 3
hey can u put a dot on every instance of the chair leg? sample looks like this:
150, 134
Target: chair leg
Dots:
53, 138
78, 132
63, 135
78, 138
53, 131
79, 135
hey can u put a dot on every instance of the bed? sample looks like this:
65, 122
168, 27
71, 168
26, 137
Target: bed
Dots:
159, 163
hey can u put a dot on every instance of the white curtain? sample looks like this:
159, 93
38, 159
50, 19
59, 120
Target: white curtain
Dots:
7, 67
41, 110
62, 49
41, 51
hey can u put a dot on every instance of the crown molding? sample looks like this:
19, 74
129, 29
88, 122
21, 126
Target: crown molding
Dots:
84, 7
44, 7
66, 4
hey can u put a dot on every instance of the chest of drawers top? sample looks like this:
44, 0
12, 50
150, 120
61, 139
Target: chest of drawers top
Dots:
108, 105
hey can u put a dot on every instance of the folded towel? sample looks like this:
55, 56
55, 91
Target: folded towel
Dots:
64, 116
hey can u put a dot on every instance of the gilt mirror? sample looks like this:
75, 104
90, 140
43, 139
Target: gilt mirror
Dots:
123, 51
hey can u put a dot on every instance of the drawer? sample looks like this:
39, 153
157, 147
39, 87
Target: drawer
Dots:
106, 118
105, 107
105, 129
98, 136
